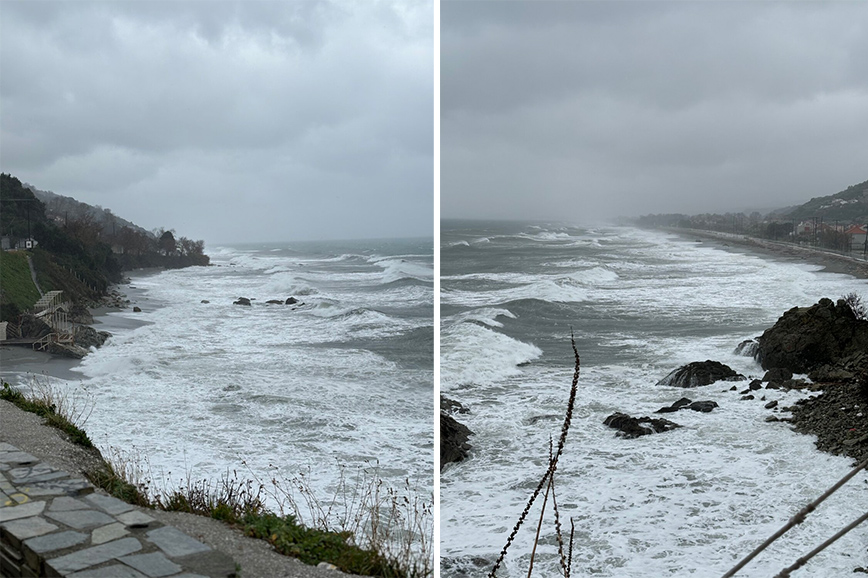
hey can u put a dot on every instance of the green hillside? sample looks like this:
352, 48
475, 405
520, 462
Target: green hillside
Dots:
849, 206
17, 291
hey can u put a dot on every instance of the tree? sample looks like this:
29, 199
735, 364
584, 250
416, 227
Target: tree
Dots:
167, 243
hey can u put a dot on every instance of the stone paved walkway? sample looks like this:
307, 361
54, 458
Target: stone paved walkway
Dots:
52, 524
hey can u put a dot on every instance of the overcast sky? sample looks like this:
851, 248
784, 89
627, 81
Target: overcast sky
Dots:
582, 110
228, 121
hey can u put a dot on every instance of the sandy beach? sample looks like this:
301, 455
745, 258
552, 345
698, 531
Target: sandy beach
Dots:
19, 364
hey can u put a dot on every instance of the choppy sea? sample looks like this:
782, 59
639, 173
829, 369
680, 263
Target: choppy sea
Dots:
690, 502
344, 378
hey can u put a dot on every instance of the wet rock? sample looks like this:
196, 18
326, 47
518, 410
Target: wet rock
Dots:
453, 440
747, 348
204, 301
292, 301
755, 385
87, 337
242, 301
451, 406
805, 338
700, 373
34, 328
633, 427
683, 402
703, 406
137, 309
777, 374
771, 405
275, 301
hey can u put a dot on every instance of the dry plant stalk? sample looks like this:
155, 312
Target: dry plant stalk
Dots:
798, 519
546, 480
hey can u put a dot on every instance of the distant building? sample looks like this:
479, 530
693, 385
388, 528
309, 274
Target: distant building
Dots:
857, 234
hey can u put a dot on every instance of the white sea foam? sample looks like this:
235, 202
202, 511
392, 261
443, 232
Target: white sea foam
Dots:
472, 354
685, 503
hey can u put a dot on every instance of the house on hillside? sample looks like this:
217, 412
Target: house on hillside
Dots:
857, 235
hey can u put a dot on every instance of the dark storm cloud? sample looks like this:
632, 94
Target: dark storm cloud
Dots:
258, 120
586, 109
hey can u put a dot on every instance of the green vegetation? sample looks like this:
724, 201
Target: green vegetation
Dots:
50, 409
17, 291
80, 249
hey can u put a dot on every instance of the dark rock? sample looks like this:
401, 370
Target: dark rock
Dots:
242, 301
633, 427
291, 301
700, 373
703, 406
755, 385
778, 374
747, 348
86, 336
747, 397
805, 338
34, 328
683, 402
451, 406
771, 405
733, 388
773, 385
453, 440
204, 301
275, 301
80, 314
137, 309
831, 374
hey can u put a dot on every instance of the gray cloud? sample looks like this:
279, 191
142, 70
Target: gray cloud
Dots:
227, 120
594, 109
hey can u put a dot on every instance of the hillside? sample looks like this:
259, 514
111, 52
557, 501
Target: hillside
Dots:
81, 253
849, 206
61, 209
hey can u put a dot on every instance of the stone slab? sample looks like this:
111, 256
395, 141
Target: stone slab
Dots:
109, 504
17, 458
113, 571
176, 543
17, 531
23, 511
70, 487
4, 447
93, 556
57, 541
135, 519
81, 519
66, 504
154, 565
108, 533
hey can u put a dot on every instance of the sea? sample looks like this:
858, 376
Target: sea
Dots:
337, 385
640, 303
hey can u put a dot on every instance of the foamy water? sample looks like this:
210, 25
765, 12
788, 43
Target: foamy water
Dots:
690, 502
346, 378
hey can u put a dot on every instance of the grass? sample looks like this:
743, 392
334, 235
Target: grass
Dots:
351, 546
57, 408
18, 291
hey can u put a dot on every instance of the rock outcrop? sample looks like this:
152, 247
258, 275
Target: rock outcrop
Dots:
242, 301
86, 336
806, 338
633, 427
453, 440
700, 373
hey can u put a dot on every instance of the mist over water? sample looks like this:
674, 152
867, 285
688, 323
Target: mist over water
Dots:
690, 502
344, 378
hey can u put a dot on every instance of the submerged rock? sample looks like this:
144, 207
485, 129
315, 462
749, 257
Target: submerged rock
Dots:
700, 373
242, 301
633, 427
685, 403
